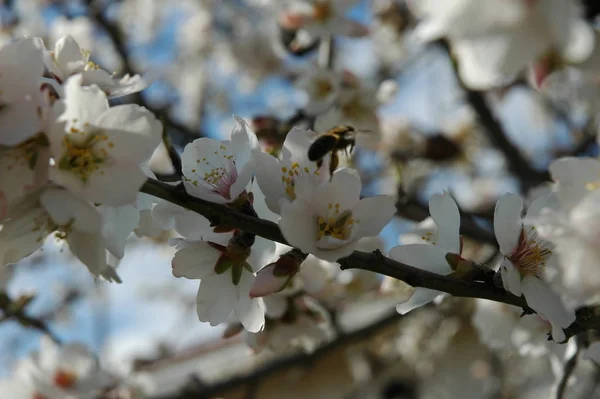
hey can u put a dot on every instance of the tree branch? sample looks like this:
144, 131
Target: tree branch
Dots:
568, 370
285, 363
587, 317
16, 310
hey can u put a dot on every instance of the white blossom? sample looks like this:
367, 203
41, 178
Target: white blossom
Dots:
68, 59
431, 255
322, 87
328, 220
219, 170
525, 257
54, 372
495, 39
21, 68
98, 150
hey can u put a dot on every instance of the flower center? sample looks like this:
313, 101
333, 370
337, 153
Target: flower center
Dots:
337, 225
288, 177
322, 11
84, 157
65, 379
219, 178
428, 237
324, 87
530, 255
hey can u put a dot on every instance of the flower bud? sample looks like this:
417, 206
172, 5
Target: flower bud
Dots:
457, 263
274, 277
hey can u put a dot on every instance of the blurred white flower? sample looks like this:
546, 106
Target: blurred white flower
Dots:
24, 169
22, 66
572, 226
525, 257
219, 170
68, 59
329, 219
322, 18
55, 372
322, 87
496, 39
98, 149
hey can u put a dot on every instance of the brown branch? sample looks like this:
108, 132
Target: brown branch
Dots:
568, 370
517, 163
16, 310
587, 318
285, 363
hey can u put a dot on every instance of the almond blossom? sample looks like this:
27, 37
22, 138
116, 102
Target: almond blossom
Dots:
21, 69
68, 59
525, 257
54, 211
70, 371
24, 169
322, 87
322, 18
431, 255
225, 269
571, 224
219, 170
328, 220
98, 150
496, 39
277, 177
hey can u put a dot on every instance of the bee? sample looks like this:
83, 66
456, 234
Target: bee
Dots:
336, 139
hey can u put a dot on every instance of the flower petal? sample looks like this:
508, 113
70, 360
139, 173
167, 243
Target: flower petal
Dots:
547, 303
372, 214
421, 296
507, 222
196, 260
344, 189
424, 256
217, 298
511, 279
446, 216
298, 225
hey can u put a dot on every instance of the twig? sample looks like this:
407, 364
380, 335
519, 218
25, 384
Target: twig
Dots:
587, 317
15, 311
568, 370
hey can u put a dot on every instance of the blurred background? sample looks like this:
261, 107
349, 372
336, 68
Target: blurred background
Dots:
208, 59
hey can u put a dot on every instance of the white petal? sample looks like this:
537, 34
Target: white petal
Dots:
299, 225
446, 216
421, 296
113, 185
217, 298
344, 189
511, 279
243, 141
65, 208
251, 312
118, 225
195, 261
541, 298
573, 175
424, 256
84, 104
507, 222
548, 201
372, 214
68, 59
295, 147
134, 130
333, 254
89, 249
268, 176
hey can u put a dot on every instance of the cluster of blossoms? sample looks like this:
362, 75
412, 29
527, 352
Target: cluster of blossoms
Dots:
72, 166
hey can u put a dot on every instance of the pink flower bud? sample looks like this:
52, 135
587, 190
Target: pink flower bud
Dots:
274, 277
